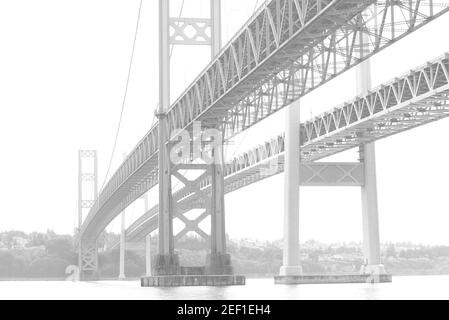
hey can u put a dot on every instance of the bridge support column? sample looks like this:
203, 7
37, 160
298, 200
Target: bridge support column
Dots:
218, 261
291, 261
370, 212
88, 261
218, 269
166, 262
122, 275
87, 249
148, 272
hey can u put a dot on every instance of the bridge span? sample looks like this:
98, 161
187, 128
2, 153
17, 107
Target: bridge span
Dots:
414, 99
287, 49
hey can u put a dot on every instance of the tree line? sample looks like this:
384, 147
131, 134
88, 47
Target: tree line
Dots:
47, 255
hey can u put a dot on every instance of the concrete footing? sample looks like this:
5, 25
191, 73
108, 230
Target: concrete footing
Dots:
290, 271
219, 264
193, 281
217, 272
333, 279
89, 277
166, 265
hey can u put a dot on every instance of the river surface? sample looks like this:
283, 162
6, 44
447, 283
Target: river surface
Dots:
419, 287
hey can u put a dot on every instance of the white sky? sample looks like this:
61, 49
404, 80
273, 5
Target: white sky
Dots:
63, 66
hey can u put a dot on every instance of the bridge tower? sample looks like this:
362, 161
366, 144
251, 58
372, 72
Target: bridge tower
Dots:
87, 181
291, 271
291, 262
173, 32
370, 211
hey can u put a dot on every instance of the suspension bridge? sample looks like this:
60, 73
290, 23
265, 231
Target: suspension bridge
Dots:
287, 49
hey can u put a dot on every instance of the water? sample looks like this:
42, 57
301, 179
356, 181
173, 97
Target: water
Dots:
420, 287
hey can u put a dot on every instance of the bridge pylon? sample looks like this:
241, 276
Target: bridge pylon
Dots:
166, 262
291, 272
370, 211
291, 261
87, 194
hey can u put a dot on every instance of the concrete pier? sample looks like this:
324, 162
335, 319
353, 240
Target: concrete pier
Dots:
192, 277
193, 281
333, 279
370, 209
291, 261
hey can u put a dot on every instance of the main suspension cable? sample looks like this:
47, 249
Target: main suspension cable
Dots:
125, 95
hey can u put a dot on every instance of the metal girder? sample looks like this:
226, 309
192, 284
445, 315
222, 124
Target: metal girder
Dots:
287, 49
416, 98
354, 40
319, 174
271, 42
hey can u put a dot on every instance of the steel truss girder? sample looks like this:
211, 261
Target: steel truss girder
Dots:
416, 98
317, 174
354, 41
287, 49
270, 43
